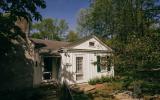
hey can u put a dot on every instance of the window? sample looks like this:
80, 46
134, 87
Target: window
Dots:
103, 63
79, 68
79, 64
91, 44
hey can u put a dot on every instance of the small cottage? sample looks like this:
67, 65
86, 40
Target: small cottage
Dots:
76, 62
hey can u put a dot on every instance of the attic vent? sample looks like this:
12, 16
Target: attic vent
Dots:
91, 44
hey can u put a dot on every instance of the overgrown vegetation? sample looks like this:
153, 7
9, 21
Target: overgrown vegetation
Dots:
65, 93
103, 79
39, 93
140, 88
15, 16
131, 28
104, 89
13, 10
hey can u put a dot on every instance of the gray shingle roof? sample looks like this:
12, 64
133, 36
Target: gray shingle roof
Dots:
49, 44
55, 45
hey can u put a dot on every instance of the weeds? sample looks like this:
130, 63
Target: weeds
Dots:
103, 79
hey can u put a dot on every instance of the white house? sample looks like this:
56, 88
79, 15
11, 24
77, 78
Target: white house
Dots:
76, 62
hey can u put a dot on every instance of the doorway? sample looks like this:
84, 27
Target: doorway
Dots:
47, 68
51, 68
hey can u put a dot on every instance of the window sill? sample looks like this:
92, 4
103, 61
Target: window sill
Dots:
92, 46
79, 73
103, 71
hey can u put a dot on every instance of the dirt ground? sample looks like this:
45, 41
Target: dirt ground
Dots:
105, 92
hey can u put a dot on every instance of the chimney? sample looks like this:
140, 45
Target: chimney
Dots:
23, 25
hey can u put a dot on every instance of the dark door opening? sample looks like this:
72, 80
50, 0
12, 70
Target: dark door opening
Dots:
47, 69
51, 68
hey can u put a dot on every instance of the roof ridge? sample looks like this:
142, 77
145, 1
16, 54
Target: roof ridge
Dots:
81, 40
86, 39
49, 40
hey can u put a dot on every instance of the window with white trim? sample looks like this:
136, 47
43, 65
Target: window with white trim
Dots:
79, 68
103, 63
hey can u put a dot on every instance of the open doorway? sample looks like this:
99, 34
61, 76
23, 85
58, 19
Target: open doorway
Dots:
51, 67
47, 68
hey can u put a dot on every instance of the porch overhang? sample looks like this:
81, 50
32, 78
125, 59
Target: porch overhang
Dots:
49, 52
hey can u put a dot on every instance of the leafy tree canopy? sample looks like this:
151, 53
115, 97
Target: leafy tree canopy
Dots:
52, 29
132, 29
12, 10
72, 36
112, 17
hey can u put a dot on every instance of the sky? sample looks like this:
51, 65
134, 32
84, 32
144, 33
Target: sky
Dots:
64, 9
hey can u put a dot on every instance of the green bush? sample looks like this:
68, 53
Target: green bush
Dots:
93, 81
103, 79
150, 88
107, 79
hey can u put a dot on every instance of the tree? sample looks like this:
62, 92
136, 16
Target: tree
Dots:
72, 36
49, 28
12, 10
84, 22
124, 20
15, 52
133, 28
112, 17
63, 27
97, 19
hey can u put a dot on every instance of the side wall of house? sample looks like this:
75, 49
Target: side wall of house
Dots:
16, 63
68, 67
37, 75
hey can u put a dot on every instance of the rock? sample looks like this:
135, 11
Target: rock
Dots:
89, 88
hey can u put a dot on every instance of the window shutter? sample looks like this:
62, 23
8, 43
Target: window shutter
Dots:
98, 64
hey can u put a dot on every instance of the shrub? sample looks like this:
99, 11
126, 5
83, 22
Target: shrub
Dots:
80, 96
93, 81
25, 94
103, 79
106, 79
150, 88
65, 93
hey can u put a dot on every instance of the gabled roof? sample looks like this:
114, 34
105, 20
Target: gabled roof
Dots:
78, 42
55, 45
